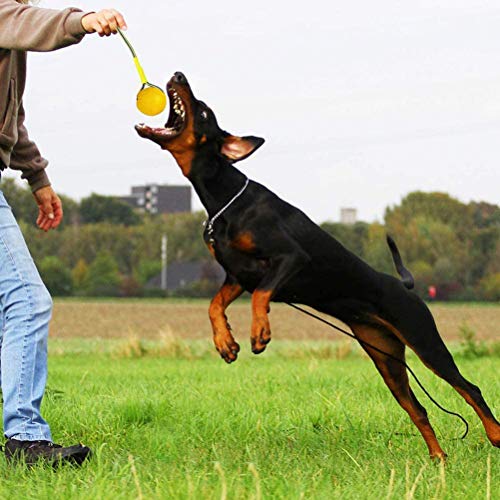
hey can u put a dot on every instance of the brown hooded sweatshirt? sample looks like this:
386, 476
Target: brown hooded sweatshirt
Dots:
24, 28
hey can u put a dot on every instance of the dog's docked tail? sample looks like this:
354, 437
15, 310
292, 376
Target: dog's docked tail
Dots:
406, 276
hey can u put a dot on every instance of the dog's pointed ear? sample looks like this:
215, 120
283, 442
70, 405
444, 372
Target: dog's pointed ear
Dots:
238, 148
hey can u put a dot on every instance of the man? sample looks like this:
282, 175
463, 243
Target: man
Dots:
25, 304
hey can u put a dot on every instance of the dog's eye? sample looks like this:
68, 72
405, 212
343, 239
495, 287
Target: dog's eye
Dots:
204, 115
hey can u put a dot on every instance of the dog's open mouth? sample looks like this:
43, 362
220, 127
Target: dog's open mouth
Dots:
177, 117
176, 122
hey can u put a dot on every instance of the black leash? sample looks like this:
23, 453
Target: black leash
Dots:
312, 315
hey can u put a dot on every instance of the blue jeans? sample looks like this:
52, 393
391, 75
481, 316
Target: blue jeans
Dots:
25, 312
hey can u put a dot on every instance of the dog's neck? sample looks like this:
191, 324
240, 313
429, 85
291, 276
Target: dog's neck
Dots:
215, 181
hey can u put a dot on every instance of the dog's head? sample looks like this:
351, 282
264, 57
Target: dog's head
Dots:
192, 132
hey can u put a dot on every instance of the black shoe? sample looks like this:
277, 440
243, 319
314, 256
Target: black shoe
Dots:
31, 452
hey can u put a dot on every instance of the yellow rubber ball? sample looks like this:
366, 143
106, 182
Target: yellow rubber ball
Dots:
151, 101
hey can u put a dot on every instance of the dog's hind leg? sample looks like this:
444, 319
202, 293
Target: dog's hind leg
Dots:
440, 361
418, 331
396, 378
223, 339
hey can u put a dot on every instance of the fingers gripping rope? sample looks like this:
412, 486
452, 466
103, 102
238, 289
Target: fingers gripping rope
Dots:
312, 315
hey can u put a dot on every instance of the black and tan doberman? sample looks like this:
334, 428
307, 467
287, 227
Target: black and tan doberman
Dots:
274, 251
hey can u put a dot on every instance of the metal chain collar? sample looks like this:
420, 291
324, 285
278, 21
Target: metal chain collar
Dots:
209, 223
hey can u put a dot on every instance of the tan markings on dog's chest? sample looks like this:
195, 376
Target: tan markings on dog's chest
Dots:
244, 242
211, 249
185, 161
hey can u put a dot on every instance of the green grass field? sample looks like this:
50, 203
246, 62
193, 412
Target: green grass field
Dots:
309, 420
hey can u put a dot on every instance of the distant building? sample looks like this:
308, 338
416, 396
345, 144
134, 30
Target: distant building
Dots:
348, 216
156, 199
181, 274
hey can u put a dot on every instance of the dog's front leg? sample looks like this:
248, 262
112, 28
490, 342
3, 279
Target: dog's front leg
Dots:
223, 339
282, 269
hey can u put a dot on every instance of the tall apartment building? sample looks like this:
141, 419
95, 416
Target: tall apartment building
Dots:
160, 199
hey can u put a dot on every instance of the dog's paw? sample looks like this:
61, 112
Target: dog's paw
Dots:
227, 347
439, 457
494, 436
261, 335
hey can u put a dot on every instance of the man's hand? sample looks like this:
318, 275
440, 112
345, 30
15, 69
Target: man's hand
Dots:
50, 212
104, 22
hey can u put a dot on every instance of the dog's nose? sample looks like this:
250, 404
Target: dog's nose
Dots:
179, 77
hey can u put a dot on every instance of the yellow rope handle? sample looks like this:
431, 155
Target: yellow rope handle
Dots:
142, 75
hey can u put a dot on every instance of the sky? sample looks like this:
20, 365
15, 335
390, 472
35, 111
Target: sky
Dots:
360, 102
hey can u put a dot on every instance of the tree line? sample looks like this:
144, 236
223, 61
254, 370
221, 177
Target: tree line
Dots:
105, 248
